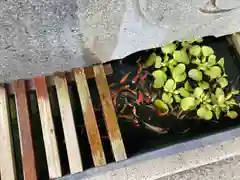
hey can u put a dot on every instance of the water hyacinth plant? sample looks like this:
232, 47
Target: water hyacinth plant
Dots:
191, 82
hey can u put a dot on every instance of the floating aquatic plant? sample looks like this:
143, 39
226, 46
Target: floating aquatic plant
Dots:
190, 80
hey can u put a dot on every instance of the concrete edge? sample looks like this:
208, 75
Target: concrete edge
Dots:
169, 160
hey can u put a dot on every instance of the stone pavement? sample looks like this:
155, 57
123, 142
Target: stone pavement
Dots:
227, 169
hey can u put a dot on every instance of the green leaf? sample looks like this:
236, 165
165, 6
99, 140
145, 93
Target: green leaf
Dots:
202, 67
164, 69
207, 51
167, 98
181, 56
197, 61
214, 72
198, 40
172, 62
211, 60
206, 97
158, 83
180, 68
203, 84
204, 59
232, 114
177, 98
188, 103
220, 99
195, 74
231, 102
223, 82
169, 49
158, 62
208, 106
160, 78
234, 91
195, 50
217, 112
204, 113
165, 58
178, 77
221, 62
219, 92
213, 98
161, 105
185, 44
187, 86
229, 95
159, 74
183, 92
170, 85
151, 60
198, 92
178, 73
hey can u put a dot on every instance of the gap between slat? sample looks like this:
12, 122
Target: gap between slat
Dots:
73, 151
89, 118
28, 158
7, 165
48, 129
109, 114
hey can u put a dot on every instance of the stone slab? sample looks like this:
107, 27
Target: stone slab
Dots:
42, 37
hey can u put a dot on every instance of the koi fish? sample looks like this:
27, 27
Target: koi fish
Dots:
135, 79
140, 98
124, 78
156, 129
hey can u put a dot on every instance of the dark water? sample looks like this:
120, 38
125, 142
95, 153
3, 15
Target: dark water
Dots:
140, 140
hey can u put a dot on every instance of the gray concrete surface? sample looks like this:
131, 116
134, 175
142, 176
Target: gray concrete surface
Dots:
227, 169
45, 36
178, 160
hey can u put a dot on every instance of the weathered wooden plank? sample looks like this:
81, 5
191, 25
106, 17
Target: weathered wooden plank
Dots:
7, 164
48, 129
234, 40
69, 130
89, 118
70, 78
109, 114
107, 69
28, 159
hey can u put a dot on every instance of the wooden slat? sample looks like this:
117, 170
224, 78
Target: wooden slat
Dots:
107, 69
69, 130
234, 40
7, 164
109, 114
28, 159
89, 118
48, 130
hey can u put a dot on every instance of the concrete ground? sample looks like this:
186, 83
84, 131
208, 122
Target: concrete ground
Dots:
227, 169
209, 158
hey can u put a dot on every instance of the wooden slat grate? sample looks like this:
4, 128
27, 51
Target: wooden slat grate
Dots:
40, 85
